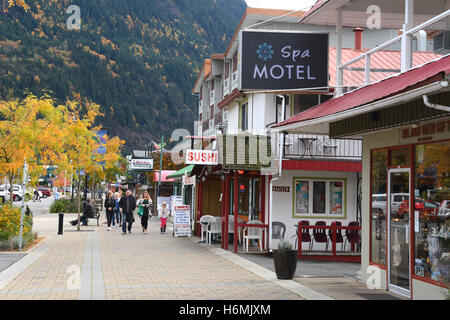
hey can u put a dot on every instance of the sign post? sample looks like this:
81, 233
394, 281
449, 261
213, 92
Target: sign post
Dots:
182, 221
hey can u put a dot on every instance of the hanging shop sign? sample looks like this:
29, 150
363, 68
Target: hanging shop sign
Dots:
188, 180
205, 157
283, 60
141, 165
182, 221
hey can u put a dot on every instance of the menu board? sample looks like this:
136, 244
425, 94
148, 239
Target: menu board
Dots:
181, 221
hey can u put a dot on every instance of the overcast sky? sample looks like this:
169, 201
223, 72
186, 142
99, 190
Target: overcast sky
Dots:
281, 4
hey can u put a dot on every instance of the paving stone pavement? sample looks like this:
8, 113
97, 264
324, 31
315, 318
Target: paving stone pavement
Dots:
136, 266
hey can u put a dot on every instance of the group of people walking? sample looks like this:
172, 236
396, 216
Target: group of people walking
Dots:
120, 211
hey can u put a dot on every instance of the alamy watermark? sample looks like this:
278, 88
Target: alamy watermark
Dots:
73, 283
374, 20
74, 21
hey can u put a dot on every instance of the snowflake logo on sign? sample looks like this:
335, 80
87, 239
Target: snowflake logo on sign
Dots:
264, 51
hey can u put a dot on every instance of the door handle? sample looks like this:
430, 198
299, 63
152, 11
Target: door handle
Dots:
407, 234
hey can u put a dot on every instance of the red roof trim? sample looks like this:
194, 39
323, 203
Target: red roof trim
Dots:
327, 165
229, 98
371, 93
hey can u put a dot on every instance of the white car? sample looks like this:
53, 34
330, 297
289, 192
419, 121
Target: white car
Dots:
444, 208
379, 202
4, 195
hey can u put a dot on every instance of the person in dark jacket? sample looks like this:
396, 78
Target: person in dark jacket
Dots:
127, 206
109, 207
88, 212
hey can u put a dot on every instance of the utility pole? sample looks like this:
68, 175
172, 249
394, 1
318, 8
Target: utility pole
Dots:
160, 163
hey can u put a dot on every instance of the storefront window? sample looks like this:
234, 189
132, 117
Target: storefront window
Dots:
400, 157
248, 199
379, 206
432, 211
319, 197
301, 197
336, 192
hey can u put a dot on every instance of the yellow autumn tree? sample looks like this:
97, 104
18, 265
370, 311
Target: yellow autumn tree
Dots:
30, 130
15, 3
42, 133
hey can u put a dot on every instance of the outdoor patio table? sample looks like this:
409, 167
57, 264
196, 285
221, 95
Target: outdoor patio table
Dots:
307, 143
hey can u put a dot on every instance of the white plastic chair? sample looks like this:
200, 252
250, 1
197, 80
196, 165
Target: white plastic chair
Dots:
231, 227
215, 227
253, 233
206, 218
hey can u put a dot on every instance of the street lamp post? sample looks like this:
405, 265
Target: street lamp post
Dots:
22, 211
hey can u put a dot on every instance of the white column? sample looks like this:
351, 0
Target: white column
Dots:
367, 70
407, 39
339, 73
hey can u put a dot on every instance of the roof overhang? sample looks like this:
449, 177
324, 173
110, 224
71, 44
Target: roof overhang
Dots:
321, 125
355, 13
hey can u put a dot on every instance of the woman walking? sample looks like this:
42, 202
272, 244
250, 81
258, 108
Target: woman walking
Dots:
109, 206
144, 207
117, 217
163, 214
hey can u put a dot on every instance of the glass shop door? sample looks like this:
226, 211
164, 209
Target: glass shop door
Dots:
399, 275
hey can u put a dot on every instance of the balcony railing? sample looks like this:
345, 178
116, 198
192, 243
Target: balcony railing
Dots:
368, 54
319, 146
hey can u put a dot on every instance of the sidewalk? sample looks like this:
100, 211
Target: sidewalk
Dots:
132, 266
152, 266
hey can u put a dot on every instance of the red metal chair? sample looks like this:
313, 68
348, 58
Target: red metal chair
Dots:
306, 237
320, 235
339, 236
353, 236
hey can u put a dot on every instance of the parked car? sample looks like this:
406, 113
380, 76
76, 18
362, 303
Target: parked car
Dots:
444, 208
15, 187
425, 207
379, 203
378, 206
4, 195
45, 191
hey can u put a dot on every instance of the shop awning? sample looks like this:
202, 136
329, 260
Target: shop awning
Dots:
164, 176
354, 101
181, 172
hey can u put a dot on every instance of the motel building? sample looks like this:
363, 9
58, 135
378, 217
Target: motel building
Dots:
315, 182
320, 177
403, 121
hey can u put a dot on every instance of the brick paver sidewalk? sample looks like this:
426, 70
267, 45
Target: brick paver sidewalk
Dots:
136, 266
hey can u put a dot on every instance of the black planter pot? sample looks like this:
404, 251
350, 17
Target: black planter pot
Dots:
285, 263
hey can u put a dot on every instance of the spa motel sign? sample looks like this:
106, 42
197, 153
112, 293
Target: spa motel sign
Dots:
283, 60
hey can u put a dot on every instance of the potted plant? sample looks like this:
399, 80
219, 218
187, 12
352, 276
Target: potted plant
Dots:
285, 260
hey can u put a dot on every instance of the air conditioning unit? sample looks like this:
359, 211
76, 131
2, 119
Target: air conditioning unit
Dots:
441, 42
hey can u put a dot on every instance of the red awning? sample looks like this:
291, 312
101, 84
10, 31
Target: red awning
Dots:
371, 93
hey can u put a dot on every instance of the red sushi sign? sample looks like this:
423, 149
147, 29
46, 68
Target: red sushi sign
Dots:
205, 157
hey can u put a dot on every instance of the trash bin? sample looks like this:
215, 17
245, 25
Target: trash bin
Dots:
60, 222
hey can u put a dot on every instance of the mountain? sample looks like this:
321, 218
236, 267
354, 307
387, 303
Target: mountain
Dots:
138, 59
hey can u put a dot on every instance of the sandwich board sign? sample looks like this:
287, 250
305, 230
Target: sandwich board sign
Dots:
182, 221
